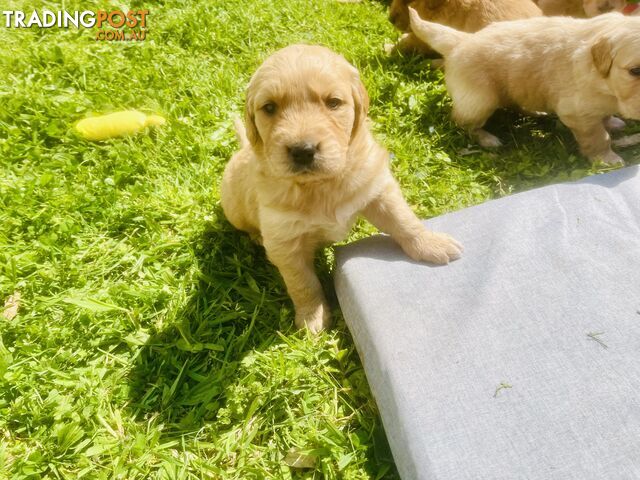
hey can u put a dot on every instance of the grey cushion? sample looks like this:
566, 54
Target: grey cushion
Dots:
522, 359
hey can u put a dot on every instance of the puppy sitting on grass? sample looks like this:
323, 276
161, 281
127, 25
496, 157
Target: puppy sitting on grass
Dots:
308, 166
584, 70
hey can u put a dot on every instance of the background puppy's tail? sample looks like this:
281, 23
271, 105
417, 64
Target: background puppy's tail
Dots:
439, 37
241, 132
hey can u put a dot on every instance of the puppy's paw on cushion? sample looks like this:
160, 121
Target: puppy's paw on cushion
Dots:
314, 319
434, 247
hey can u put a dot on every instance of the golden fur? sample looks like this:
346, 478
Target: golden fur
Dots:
580, 8
464, 15
584, 70
309, 95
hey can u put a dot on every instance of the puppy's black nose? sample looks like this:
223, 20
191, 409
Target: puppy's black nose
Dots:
302, 154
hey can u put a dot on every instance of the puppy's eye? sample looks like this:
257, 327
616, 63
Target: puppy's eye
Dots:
269, 108
333, 103
635, 71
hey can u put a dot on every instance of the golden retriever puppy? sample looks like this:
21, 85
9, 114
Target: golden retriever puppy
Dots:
465, 15
584, 70
309, 166
580, 8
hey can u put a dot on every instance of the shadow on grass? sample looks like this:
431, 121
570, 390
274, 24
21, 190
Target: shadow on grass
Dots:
538, 151
226, 370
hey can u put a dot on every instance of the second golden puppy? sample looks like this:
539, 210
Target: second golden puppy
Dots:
465, 15
308, 166
582, 70
580, 8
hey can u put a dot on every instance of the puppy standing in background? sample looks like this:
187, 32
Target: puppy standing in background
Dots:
582, 70
580, 8
308, 166
465, 15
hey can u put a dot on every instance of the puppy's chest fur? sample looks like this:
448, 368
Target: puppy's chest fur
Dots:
324, 211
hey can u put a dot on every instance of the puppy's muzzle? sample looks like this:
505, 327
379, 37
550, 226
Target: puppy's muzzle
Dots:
303, 154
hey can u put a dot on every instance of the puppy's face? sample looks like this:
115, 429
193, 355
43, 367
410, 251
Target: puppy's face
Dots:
305, 104
399, 11
617, 57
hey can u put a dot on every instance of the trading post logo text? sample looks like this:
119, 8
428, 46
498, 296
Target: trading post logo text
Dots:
133, 20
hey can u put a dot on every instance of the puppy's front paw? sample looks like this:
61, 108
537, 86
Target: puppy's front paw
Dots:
609, 158
314, 319
434, 247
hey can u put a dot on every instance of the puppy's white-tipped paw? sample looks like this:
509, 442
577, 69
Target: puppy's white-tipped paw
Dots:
314, 319
609, 158
614, 124
434, 247
487, 140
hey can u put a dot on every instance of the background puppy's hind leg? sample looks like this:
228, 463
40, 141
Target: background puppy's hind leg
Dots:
486, 139
409, 43
472, 111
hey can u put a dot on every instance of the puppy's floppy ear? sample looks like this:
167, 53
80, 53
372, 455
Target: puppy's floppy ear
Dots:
361, 103
250, 118
602, 55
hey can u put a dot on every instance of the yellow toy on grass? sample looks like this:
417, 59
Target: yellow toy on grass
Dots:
117, 124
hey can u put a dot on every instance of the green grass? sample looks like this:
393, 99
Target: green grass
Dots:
153, 340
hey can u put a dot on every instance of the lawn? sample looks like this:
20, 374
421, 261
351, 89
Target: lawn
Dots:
152, 340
